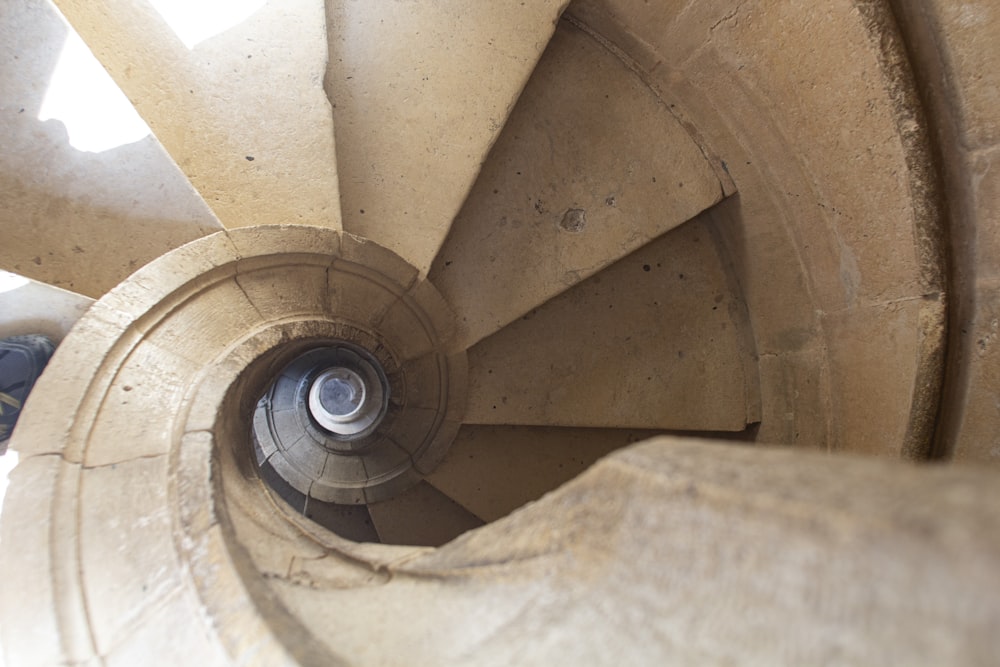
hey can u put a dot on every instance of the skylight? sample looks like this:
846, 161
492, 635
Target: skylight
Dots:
84, 97
194, 21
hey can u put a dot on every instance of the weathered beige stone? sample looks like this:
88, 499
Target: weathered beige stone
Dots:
122, 582
422, 516
984, 174
27, 542
274, 295
657, 340
218, 303
411, 334
970, 54
977, 408
55, 426
77, 219
279, 541
190, 265
591, 575
951, 46
815, 232
259, 242
243, 632
493, 470
364, 251
668, 552
410, 157
871, 385
565, 192
147, 392
358, 295
229, 94
794, 391
169, 636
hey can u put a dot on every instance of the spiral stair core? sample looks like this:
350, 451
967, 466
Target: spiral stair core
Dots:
359, 334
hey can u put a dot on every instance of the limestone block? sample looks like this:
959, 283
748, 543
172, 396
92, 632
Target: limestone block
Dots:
971, 54
78, 219
358, 295
679, 552
221, 107
171, 634
493, 470
193, 482
127, 557
977, 407
438, 447
795, 399
566, 192
815, 116
409, 329
287, 287
188, 268
194, 332
853, 136
261, 522
34, 595
423, 388
146, 395
241, 628
279, 239
412, 429
436, 311
984, 173
415, 119
367, 252
872, 384
659, 339
421, 516
665, 553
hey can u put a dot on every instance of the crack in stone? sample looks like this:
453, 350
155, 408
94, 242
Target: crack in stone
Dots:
728, 17
112, 464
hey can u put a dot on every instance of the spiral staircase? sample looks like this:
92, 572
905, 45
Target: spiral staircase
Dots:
357, 343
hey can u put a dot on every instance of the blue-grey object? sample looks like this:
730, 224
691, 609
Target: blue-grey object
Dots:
22, 360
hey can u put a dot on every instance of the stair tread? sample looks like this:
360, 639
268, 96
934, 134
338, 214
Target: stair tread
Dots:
238, 112
420, 96
573, 184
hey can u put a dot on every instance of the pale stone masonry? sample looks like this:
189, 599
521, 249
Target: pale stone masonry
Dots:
550, 231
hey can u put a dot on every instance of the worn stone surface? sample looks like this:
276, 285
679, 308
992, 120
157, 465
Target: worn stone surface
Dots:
794, 392
954, 49
672, 551
493, 470
867, 380
422, 516
121, 582
835, 208
218, 301
657, 340
167, 635
978, 406
145, 394
222, 109
26, 541
877, 562
410, 158
965, 39
512, 247
55, 426
76, 219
